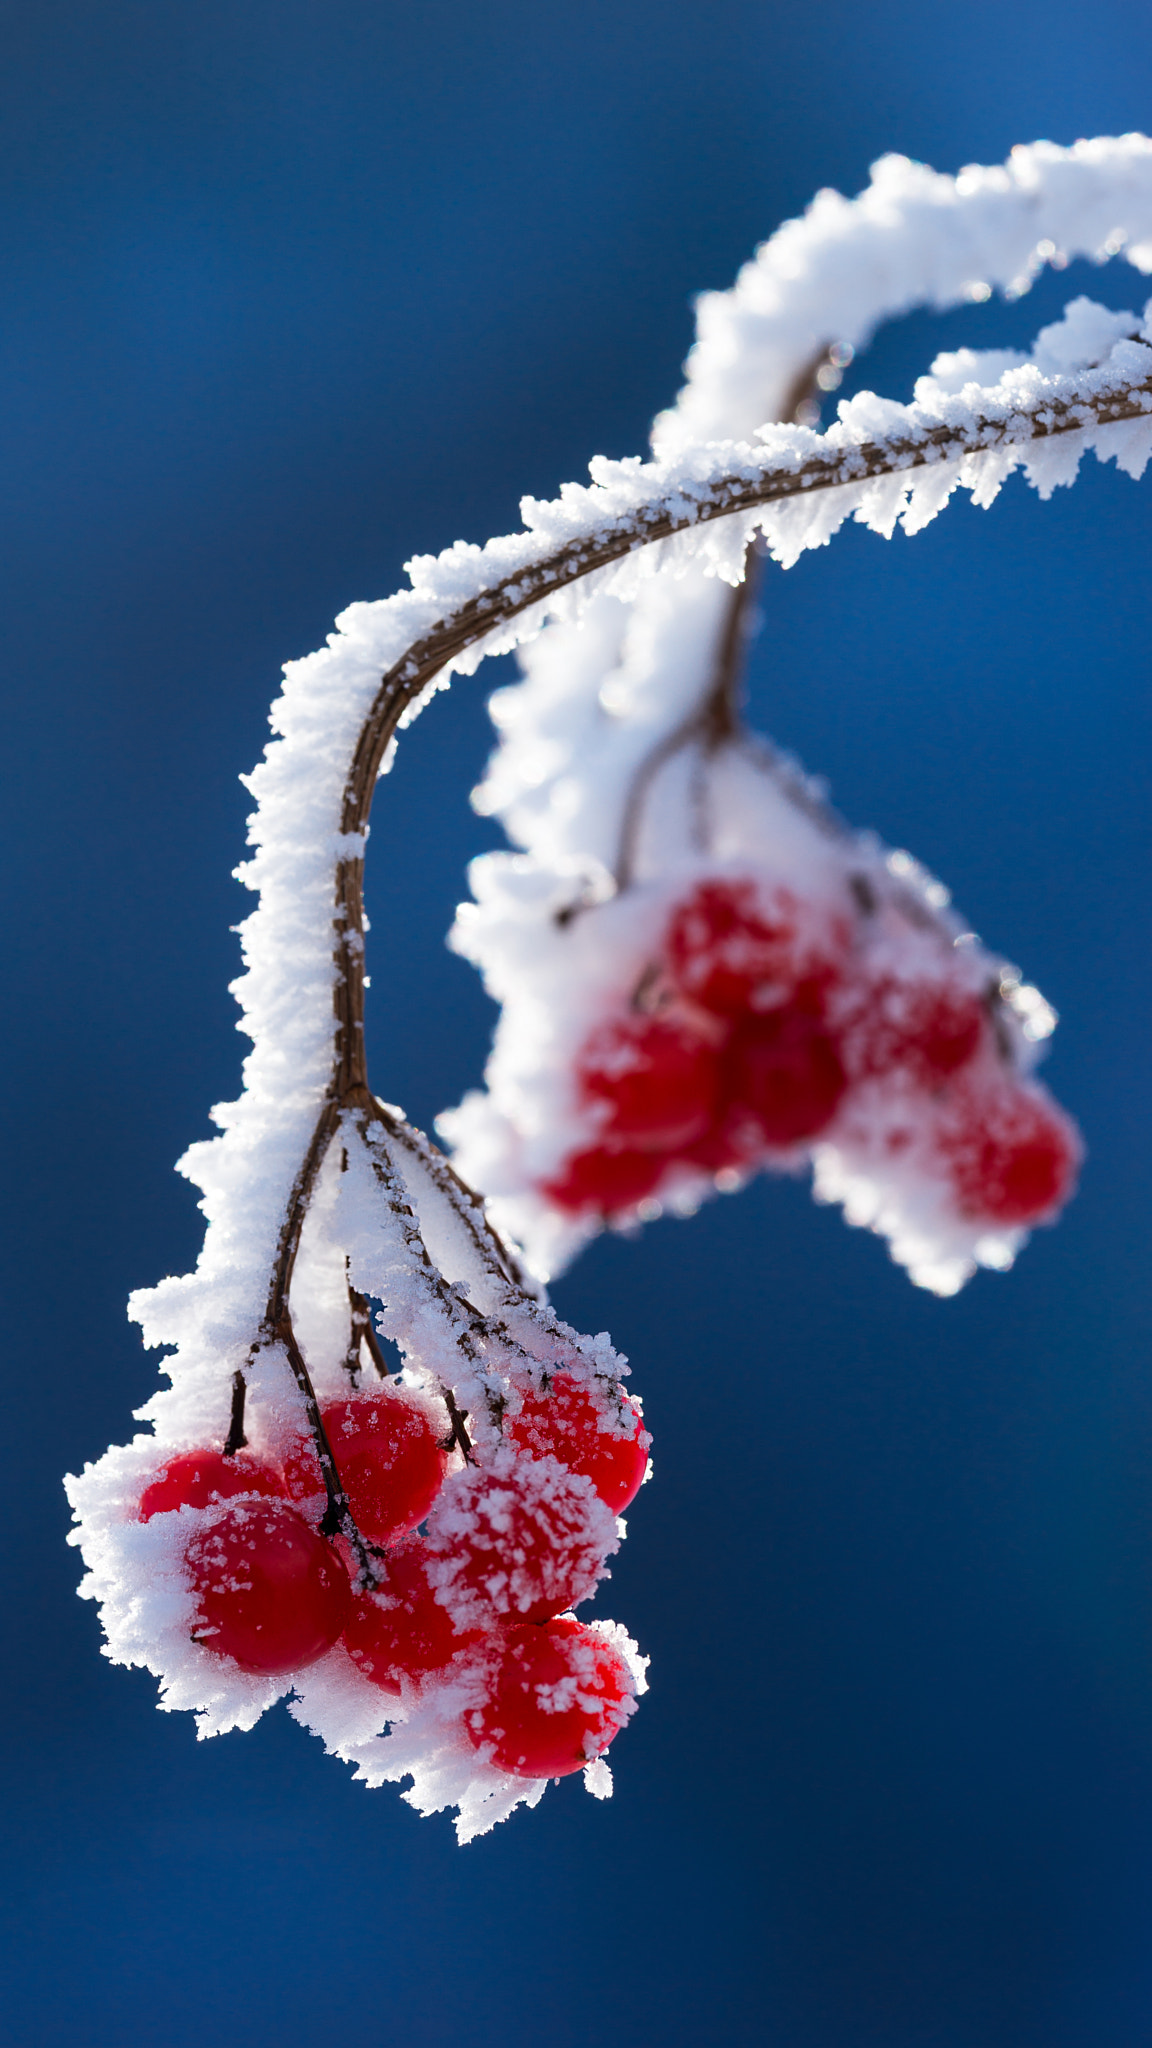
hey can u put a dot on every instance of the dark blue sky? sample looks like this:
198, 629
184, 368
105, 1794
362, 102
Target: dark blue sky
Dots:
292, 291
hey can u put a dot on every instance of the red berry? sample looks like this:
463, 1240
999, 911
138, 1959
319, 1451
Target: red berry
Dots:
564, 1423
197, 1479
734, 945
657, 1080
270, 1593
390, 1463
518, 1538
605, 1181
401, 1630
1010, 1153
784, 1076
733, 1142
557, 1695
931, 1028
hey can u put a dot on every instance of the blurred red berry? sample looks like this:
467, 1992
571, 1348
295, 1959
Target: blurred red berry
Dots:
517, 1539
557, 1696
605, 1181
732, 946
657, 1079
401, 1630
930, 1028
783, 1074
564, 1423
270, 1593
388, 1457
732, 1142
197, 1479
1010, 1153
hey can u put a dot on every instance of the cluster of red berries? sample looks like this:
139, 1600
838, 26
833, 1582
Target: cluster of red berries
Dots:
765, 1017
508, 1546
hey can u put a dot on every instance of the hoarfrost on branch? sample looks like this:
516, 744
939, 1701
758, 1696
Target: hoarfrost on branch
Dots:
625, 779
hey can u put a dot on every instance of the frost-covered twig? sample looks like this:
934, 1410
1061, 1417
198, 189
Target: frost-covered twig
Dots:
973, 439
319, 1198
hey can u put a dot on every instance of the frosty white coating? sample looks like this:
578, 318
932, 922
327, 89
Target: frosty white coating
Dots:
380, 1214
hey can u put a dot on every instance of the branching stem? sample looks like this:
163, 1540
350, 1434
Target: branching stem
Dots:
361, 1332
715, 721
607, 541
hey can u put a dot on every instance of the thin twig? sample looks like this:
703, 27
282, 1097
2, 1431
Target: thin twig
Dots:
338, 1518
236, 1439
436, 1286
497, 1256
289, 1240
458, 1437
362, 1332
715, 721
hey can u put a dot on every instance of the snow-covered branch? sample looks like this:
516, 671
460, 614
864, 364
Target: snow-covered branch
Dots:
974, 438
702, 971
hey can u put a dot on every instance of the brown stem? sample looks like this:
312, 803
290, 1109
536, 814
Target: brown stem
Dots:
720, 719
362, 1332
338, 1517
497, 1256
277, 1328
460, 1316
472, 1323
715, 721
458, 1437
236, 1439
289, 1241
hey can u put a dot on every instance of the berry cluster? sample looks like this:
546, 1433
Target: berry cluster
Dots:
768, 1022
507, 1546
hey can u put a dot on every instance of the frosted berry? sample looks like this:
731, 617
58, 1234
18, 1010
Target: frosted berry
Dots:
783, 1073
557, 1695
388, 1457
656, 1078
1010, 1153
733, 946
604, 1181
733, 1143
517, 1539
198, 1479
270, 1593
564, 1423
930, 1028
401, 1630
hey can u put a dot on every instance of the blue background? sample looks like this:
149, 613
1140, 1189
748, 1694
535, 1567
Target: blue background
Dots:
291, 291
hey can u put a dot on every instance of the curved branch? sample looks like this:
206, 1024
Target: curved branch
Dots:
732, 490
742, 483
736, 490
